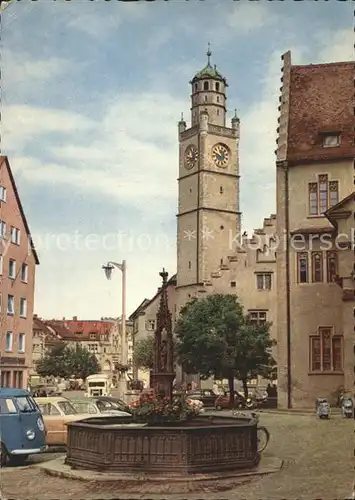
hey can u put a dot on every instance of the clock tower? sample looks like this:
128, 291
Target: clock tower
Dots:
208, 219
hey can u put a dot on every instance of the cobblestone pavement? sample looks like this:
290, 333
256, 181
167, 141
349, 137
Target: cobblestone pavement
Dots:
318, 463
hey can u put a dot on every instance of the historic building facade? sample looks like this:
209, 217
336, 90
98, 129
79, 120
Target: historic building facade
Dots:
315, 231
18, 260
212, 255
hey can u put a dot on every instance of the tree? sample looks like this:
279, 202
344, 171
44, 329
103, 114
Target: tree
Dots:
215, 338
65, 362
82, 363
143, 355
54, 363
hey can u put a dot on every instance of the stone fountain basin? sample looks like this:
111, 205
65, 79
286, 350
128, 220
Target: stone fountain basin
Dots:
202, 445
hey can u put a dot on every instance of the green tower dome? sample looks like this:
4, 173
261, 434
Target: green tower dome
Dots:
208, 71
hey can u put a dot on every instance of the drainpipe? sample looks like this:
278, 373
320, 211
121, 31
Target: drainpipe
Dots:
288, 291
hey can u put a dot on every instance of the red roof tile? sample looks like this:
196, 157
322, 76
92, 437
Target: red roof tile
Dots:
321, 101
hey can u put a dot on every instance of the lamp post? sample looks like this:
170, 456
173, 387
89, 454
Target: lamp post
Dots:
108, 268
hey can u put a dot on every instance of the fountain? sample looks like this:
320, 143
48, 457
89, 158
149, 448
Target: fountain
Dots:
202, 445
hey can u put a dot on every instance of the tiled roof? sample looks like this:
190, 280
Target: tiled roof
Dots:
70, 329
321, 102
50, 336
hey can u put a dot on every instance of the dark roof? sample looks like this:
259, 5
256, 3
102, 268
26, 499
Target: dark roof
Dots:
4, 161
50, 336
321, 101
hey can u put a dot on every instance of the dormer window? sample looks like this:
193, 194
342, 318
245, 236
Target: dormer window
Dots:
205, 86
331, 140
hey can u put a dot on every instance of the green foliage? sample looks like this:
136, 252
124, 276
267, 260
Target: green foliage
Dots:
66, 362
215, 338
143, 355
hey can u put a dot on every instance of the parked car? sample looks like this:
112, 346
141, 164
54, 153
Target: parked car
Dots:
96, 406
22, 428
207, 396
57, 412
222, 401
116, 403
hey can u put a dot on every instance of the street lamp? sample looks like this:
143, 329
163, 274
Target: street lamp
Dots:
108, 268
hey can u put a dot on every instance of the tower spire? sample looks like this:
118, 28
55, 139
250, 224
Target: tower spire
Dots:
209, 53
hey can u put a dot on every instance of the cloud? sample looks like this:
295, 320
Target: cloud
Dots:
22, 67
250, 16
130, 157
22, 124
337, 46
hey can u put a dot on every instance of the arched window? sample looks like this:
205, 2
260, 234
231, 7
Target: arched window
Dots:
217, 112
205, 86
217, 98
217, 87
196, 87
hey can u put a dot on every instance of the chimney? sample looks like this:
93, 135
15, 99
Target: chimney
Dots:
75, 318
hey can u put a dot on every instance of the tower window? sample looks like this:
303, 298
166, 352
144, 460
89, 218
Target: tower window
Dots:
205, 86
222, 227
221, 189
217, 86
218, 98
189, 264
217, 112
196, 87
205, 98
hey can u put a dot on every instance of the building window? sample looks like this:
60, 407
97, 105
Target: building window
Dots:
2, 229
92, 336
8, 341
21, 342
23, 307
217, 112
217, 98
263, 281
24, 273
257, 317
302, 267
326, 351
331, 140
150, 325
332, 266
217, 86
15, 235
317, 267
6, 382
196, 87
322, 195
189, 264
205, 98
333, 193
233, 284
221, 189
12, 269
10, 304
313, 198
2, 193
205, 86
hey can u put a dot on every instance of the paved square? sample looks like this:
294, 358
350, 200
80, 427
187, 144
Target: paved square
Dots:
318, 463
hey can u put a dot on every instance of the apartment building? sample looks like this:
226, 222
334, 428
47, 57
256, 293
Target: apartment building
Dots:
18, 260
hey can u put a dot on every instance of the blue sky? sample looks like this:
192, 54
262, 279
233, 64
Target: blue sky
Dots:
91, 95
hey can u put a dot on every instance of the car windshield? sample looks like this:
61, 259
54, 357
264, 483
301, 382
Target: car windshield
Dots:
96, 384
67, 408
26, 404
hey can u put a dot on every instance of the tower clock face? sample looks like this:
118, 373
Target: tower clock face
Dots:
220, 155
191, 157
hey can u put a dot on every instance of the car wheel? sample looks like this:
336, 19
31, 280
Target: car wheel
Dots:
18, 459
218, 407
3, 456
239, 405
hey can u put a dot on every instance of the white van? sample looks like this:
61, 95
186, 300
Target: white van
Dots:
98, 385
